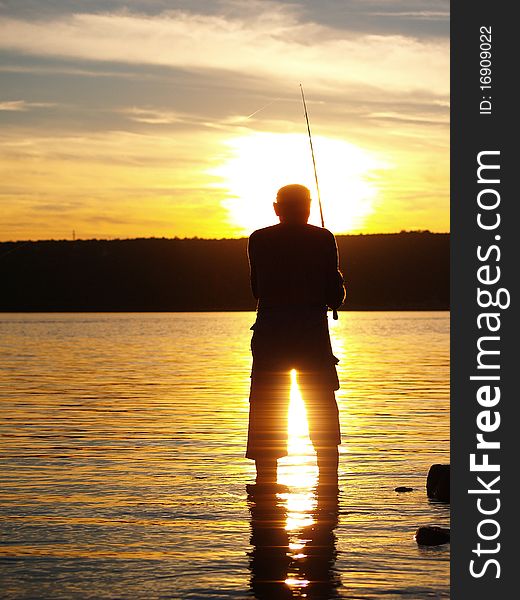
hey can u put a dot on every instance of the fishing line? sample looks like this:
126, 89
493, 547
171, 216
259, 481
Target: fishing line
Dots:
312, 153
334, 311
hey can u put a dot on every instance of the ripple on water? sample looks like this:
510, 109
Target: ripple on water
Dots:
123, 471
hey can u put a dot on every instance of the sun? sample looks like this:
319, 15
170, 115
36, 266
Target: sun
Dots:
260, 163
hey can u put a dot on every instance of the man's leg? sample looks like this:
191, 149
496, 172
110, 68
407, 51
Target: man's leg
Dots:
267, 435
266, 470
328, 459
323, 418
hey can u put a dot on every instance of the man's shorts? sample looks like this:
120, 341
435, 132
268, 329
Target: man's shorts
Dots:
268, 408
279, 346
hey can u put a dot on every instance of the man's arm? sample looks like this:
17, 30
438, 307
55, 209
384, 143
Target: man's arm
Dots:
335, 288
252, 264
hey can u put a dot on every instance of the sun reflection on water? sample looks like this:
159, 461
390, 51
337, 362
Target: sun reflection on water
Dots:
298, 471
121, 446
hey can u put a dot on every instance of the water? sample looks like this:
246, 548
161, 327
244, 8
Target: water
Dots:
123, 473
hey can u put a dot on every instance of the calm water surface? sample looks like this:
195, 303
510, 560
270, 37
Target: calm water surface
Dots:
123, 473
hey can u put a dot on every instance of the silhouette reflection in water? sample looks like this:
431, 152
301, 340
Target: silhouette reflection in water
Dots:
294, 552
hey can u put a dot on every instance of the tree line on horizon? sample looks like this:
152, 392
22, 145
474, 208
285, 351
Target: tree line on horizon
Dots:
402, 271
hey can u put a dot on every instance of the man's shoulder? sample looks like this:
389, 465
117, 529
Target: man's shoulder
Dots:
319, 231
278, 229
318, 235
264, 232
309, 235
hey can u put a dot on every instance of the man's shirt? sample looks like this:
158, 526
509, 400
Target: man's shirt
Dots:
295, 266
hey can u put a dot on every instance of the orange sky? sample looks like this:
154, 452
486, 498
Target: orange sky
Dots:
130, 120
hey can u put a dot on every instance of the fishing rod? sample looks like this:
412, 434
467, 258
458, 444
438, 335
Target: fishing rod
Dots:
312, 153
334, 310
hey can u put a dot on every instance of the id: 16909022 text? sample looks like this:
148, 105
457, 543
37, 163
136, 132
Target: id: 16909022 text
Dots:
485, 70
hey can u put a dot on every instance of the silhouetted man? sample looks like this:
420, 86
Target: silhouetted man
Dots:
295, 277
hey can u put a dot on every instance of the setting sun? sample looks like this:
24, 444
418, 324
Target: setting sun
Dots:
260, 163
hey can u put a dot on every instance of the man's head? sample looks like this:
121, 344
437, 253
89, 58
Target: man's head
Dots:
293, 204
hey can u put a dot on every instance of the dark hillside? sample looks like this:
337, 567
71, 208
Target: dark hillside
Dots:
384, 272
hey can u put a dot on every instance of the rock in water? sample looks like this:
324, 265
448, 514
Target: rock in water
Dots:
431, 535
438, 483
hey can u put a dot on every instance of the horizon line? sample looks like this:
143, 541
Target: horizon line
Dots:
177, 238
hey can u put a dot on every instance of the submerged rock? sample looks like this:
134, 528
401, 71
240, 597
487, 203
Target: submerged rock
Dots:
431, 535
403, 488
438, 483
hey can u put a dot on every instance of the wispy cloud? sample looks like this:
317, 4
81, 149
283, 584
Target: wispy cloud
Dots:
416, 14
22, 105
430, 119
13, 105
82, 72
153, 116
277, 44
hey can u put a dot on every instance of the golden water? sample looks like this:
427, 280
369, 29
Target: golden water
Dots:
123, 473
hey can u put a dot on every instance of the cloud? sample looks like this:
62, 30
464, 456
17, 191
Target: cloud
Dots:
74, 71
428, 119
418, 14
153, 116
22, 105
277, 44
13, 105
